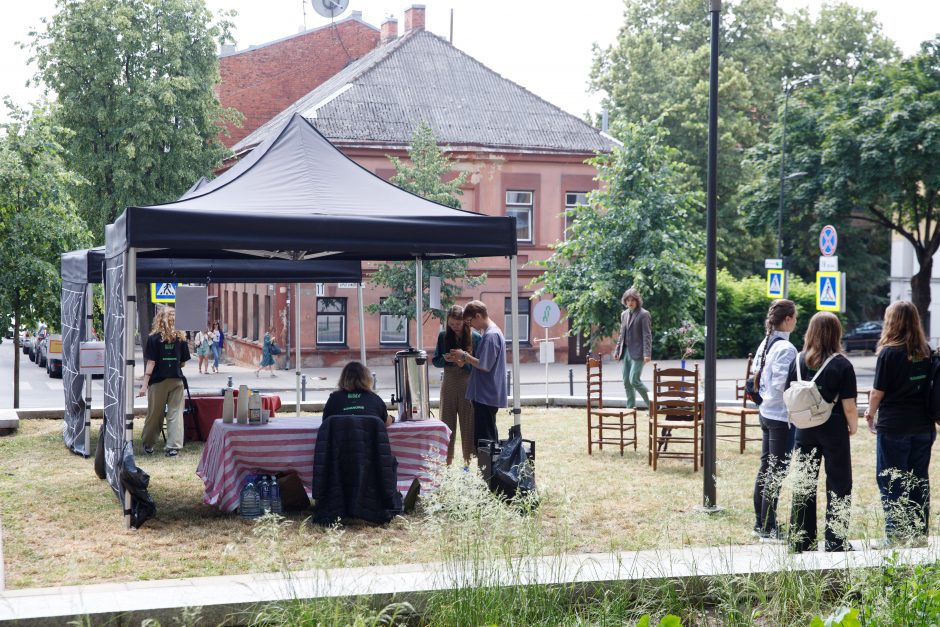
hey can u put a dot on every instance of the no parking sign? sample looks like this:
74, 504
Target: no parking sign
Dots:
828, 240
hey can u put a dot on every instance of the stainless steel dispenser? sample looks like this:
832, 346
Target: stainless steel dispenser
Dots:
411, 385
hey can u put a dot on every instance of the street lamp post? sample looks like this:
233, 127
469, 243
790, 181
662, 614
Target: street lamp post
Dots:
788, 88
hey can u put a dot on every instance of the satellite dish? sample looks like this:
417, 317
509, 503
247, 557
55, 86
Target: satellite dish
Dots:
329, 8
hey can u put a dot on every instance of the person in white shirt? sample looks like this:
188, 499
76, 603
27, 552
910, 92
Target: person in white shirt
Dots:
770, 369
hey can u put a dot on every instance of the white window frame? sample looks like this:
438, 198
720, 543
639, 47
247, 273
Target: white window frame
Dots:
327, 317
515, 206
572, 201
386, 317
524, 311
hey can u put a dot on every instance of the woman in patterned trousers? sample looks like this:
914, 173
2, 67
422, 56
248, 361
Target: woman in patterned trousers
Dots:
454, 404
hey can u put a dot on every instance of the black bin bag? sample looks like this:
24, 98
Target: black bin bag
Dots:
509, 465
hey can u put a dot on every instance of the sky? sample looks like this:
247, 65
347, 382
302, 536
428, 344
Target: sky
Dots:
544, 45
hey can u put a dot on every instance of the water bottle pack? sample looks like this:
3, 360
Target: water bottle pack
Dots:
260, 495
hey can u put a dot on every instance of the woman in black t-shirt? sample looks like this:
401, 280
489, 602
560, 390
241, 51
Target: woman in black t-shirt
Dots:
905, 433
164, 355
828, 442
355, 396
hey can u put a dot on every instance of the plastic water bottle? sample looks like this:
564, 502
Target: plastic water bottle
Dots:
276, 506
249, 502
265, 494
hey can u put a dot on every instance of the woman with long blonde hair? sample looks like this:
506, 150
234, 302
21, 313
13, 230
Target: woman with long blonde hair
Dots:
827, 443
897, 414
165, 353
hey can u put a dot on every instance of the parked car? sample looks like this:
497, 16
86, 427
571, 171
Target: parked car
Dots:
864, 337
51, 355
38, 337
25, 341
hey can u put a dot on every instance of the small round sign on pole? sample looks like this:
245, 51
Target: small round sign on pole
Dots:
828, 240
547, 313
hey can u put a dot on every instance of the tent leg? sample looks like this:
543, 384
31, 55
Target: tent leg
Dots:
514, 309
89, 319
130, 323
419, 303
362, 326
297, 343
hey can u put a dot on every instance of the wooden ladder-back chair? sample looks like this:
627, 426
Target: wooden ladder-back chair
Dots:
675, 423
612, 426
732, 422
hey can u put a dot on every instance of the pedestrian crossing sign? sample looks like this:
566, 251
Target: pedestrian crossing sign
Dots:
163, 292
776, 283
829, 291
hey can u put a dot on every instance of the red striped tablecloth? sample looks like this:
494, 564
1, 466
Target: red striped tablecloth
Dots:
234, 451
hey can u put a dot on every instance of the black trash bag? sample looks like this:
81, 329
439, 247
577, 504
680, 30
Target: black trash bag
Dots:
100, 470
513, 470
136, 481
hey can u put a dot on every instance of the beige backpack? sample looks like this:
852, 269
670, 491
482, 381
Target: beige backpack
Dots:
806, 408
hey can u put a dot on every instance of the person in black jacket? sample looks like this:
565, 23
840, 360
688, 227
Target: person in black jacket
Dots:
904, 431
829, 441
354, 396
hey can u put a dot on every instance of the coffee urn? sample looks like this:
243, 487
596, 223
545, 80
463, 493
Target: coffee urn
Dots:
411, 385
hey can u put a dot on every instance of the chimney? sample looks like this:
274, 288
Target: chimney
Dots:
389, 30
356, 15
414, 18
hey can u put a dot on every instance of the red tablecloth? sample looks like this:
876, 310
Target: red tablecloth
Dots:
234, 451
209, 408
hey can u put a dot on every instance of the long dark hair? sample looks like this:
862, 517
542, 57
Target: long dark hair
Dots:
823, 339
902, 329
451, 340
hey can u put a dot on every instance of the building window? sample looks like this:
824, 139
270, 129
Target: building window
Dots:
523, 320
331, 321
234, 318
245, 315
392, 329
520, 205
572, 200
225, 317
267, 312
255, 317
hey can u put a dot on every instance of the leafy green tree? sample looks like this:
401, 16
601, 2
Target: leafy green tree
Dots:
633, 232
38, 221
657, 70
135, 82
428, 174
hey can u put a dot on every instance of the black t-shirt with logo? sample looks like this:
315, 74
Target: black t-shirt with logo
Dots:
355, 404
168, 358
905, 384
837, 381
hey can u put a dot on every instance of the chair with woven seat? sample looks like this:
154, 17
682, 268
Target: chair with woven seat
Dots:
612, 426
675, 423
732, 422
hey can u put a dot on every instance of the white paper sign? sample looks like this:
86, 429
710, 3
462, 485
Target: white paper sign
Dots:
547, 352
91, 357
435, 293
192, 307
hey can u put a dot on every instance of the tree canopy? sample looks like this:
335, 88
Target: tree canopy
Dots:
429, 174
135, 83
634, 231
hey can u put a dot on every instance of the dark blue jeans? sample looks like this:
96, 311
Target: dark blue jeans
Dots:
777, 442
906, 498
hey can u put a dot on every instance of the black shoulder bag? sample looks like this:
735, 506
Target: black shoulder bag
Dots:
752, 385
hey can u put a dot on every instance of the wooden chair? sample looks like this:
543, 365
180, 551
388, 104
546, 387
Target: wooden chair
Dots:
613, 426
732, 422
675, 423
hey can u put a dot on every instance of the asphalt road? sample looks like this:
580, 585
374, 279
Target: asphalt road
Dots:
38, 390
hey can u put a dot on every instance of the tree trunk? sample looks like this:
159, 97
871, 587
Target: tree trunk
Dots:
920, 290
16, 358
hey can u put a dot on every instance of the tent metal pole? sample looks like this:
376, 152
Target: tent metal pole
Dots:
130, 322
362, 326
297, 343
89, 318
419, 303
514, 310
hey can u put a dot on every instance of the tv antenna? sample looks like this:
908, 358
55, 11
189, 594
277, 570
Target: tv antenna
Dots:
329, 8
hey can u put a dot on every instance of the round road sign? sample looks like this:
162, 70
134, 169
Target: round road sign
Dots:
828, 240
547, 313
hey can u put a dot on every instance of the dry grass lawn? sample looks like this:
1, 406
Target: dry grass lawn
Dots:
62, 526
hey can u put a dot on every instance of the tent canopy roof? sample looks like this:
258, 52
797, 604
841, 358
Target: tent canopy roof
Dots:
297, 197
85, 266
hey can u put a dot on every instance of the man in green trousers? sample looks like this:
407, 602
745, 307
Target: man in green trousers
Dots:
635, 345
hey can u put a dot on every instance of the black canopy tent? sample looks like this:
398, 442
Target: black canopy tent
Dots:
293, 197
81, 268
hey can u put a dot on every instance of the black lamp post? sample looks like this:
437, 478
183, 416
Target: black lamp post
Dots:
788, 88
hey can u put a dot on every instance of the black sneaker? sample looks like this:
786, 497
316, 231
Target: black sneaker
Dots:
148, 450
411, 498
171, 452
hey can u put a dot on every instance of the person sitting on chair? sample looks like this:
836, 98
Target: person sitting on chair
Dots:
354, 396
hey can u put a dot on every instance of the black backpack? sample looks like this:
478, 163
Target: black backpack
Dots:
933, 388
